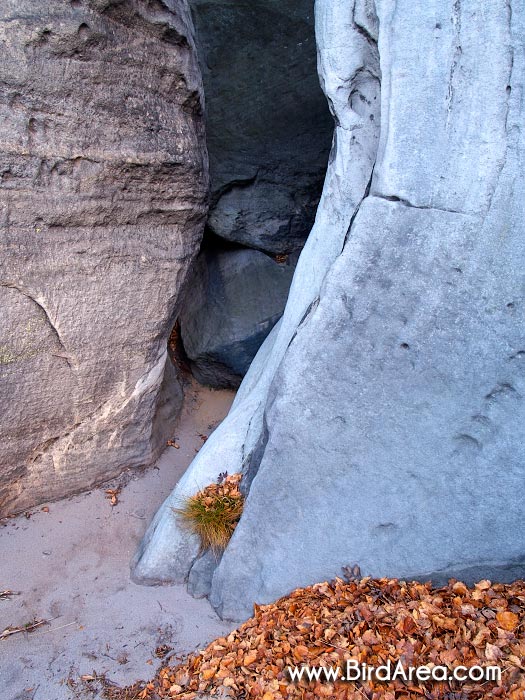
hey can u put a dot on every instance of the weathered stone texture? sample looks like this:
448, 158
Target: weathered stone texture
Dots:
103, 180
382, 422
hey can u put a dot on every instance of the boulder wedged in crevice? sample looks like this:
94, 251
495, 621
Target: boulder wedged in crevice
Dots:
234, 299
268, 134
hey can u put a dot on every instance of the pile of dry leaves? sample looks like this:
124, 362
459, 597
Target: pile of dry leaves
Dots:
369, 620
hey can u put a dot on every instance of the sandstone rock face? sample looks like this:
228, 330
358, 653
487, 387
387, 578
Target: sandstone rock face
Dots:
235, 299
387, 431
268, 126
103, 179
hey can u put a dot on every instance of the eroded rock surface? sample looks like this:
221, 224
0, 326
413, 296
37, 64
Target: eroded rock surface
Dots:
345, 51
103, 178
268, 126
385, 430
235, 298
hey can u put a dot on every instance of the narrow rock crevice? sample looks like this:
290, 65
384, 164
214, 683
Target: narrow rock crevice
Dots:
406, 203
456, 58
167, 553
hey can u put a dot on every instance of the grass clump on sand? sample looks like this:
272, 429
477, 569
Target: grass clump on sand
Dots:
213, 513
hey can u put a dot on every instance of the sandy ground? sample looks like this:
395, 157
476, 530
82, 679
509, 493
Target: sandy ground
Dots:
71, 566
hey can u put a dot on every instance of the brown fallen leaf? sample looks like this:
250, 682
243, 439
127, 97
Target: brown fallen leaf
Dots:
351, 573
112, 496
172, 443
507, 620
492, 652
162, 650
250, 658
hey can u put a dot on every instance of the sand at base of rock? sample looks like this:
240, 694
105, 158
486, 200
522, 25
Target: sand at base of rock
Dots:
71, 566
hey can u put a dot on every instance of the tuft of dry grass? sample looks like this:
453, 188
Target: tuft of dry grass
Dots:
213, 513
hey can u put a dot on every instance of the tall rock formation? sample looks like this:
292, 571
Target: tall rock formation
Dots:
381, 423
103, 180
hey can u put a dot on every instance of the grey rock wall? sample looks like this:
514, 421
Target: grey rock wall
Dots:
234, 299
381, 422
103, 179
268, 127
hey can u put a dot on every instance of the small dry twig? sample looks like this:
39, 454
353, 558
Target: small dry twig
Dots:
7, 594
61, 627
28, 627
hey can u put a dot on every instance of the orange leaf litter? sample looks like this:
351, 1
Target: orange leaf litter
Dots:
372, 621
